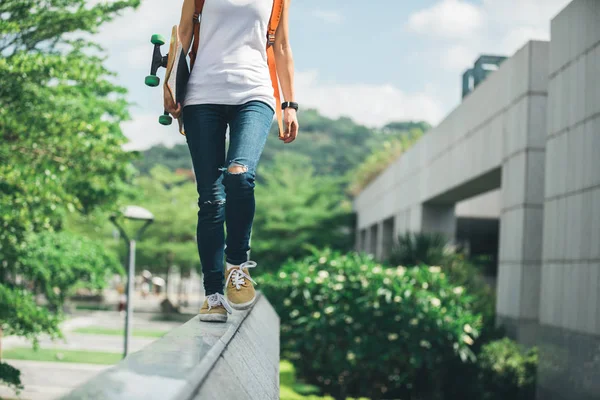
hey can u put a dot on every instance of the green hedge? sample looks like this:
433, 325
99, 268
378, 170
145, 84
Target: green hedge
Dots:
507, 371
355, 327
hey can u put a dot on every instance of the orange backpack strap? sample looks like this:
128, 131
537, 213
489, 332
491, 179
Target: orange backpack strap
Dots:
272, 29
199, 6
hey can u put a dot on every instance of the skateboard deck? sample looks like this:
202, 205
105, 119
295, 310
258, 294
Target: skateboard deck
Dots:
176, 76
178, 73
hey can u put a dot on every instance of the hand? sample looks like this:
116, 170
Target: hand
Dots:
170, 107
290, 125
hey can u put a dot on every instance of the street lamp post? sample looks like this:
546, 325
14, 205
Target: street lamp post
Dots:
138, 214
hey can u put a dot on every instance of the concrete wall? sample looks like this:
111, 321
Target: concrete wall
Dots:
237, 360
570, 289
491, 146
530, 134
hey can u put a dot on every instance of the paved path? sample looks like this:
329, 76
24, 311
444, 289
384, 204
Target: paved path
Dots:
51, 380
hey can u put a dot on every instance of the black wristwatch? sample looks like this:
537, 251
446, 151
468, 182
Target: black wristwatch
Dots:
289, 104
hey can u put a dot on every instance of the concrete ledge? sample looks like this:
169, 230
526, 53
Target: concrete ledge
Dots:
199, 360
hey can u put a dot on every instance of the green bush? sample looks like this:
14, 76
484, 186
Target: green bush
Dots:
357, 328
507, 371
434, 249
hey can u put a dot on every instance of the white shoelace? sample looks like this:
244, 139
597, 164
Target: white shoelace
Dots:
218, 299
237, 275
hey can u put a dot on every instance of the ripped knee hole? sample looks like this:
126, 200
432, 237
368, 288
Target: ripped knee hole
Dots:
237, 169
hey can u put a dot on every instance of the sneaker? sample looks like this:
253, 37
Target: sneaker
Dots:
240, 286
215, 309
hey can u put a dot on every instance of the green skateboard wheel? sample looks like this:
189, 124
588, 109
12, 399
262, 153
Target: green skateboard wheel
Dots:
165, 120
152, 80
158, 39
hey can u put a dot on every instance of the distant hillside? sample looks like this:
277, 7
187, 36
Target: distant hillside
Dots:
334, 146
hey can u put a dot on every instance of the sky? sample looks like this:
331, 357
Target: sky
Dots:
399, 60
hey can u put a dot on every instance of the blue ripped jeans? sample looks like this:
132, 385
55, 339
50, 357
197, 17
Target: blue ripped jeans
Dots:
224, 196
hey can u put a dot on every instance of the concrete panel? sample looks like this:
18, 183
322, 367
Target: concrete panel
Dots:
595, 225
592, 128
532, 234
589, 296
592, 72
513, 181
511, 236
530, 291
509, 294
486, 205
547, 283
540, 54
534, 177
570, 40
569, 298
549, 227
587, 210
537, 122
515, 135
519, 72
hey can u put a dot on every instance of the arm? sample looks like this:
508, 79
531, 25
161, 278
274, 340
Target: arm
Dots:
285, 71
283, 55
186, 25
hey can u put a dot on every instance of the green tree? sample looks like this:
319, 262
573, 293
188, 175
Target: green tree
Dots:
171, 241
297, 211
333, 146
51, 265
396, 142
60, 150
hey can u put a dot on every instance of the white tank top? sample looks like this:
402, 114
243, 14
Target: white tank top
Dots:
231, 64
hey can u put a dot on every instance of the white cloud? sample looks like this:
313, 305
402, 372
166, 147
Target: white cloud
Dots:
144, 131
492, 27
371, 105
459, 57
329, 16
534, 13
447, 19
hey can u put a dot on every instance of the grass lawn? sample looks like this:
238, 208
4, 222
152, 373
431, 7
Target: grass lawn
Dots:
58, 355
96, 330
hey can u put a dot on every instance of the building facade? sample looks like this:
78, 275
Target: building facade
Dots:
525, 146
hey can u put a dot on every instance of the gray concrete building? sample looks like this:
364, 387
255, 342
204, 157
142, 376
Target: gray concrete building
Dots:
523, 147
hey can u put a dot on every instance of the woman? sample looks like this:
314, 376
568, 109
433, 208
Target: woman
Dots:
230, 86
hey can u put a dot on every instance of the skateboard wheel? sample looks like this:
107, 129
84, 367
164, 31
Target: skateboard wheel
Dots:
152, 80
158, 39
165, 120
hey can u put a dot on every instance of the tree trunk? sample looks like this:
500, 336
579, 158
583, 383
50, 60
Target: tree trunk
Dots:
167, 281
180, 290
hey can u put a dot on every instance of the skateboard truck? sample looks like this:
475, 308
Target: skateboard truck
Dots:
152, 80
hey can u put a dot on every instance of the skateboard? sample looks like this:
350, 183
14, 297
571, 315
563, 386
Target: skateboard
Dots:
176, 76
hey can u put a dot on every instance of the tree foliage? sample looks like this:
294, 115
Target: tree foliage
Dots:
60, 152
171, 240
395, 143
298, 210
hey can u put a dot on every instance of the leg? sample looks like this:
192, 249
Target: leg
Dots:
249, 126
205, 127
